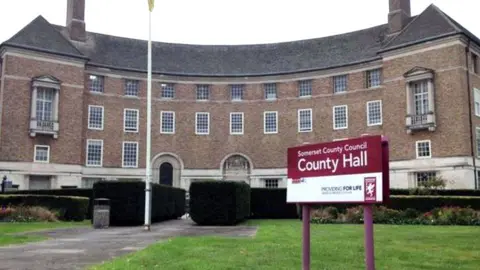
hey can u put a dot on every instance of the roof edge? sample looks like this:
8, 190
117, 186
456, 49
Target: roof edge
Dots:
408, 44
234, 75
30, 48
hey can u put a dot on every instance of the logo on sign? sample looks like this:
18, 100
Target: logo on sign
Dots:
370, 184
298, 181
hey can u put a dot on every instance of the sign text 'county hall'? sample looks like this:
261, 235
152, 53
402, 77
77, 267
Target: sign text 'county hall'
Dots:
347, 171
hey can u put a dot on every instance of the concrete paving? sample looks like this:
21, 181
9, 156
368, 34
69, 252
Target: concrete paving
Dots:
78, 248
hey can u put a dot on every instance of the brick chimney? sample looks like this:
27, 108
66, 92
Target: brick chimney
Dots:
76, 20
399, 13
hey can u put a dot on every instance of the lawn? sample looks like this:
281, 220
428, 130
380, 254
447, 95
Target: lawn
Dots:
8, 229
277, 245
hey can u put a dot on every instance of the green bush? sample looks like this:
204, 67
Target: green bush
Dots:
440, 192
69, 208
127, 201
384, 215
271, 203
76, 192
219, 202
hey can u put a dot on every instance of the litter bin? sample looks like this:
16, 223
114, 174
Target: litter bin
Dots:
101, 213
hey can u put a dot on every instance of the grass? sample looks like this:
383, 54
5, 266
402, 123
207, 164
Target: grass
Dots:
7, 230
277, 245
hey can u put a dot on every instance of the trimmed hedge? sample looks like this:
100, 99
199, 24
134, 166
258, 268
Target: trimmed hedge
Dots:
76, 192
219, 202
271, 203
70, 208
440, 192
127, 201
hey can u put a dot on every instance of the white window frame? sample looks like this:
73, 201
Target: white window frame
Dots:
101, 153
125, 120
231, 123
369, 123
265, 122
429, 148
161, 122
103, 117
134, 82
164, 91
237, 92
101, 85
310, 128
305, 88
196, 123
123, 155
346, 117
35, 153
476, 101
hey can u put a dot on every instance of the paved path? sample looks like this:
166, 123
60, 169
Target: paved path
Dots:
77, 248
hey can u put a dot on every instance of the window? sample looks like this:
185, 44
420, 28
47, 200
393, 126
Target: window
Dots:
270, 91
42, 153
236, 92
95, 117
202, 123
95, 83
270, 124
130, 120
203, 92
271, 183
422, 178
131, 88
423, 149
94, 152
167, 122
476, 98
474, 63
236, 123
305, 88
45, 103
420, 97
88, 182
130, 154
373, 78
374, 113
339, 83
304, 120
168, 91
340, 117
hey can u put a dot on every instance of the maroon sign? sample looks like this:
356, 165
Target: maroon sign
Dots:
354, 156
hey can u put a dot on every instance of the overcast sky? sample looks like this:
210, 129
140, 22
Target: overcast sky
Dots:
226, 22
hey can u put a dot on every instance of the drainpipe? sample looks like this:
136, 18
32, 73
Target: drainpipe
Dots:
470, 121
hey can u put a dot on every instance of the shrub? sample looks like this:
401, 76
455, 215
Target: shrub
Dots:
440, 192
76, 192
127, 201
27, 214
219, 202
384, 215
69, 208
271, 203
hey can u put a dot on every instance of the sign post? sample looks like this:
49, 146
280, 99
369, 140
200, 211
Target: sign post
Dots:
354, 171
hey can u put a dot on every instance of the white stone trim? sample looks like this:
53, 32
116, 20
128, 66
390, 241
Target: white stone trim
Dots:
43, 57
456, 169
416, 49
299, 76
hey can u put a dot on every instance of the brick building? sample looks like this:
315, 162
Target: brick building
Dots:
73, 102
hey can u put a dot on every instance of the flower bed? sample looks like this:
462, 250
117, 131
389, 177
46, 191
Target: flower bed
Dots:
27, 214
383, 215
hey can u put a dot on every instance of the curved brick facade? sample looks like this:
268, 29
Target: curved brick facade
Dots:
85, 138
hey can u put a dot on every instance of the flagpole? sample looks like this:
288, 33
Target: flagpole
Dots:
148, 191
